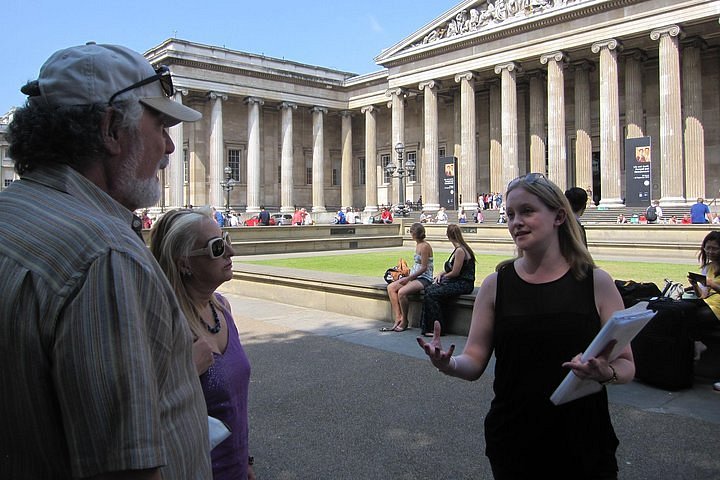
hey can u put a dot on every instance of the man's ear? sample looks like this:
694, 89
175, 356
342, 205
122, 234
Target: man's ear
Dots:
109, 132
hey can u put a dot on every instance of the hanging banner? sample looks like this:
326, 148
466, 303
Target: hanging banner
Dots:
638, 171
447, 178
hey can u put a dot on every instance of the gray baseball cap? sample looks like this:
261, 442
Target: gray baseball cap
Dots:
95, 74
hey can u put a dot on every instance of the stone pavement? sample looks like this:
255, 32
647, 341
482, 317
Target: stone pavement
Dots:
331, 397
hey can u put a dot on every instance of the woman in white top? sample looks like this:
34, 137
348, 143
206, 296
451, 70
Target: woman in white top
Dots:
421, 275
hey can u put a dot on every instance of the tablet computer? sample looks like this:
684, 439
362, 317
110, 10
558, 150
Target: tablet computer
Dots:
697, 277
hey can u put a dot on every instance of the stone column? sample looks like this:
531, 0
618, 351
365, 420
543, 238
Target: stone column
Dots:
370, 159
557, 150
253, 154
175, 171
318, 168
610, 178
510, 166
430, 187
346, 179
287, 159
692, 110
634, 113
537, 121
583, 125
467, 171
671, 155
397, 103
496, 168
217, 151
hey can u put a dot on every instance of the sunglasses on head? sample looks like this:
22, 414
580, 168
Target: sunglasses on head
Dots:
162, 74
527, 179
215, 247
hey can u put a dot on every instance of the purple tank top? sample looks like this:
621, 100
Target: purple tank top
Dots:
225, 386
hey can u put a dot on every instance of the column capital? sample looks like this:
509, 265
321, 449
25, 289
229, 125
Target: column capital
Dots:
285, 105
395, 92
430, 85
610, 44
183, 92
669, 30
346, 113
558, 57
217, 96
318, 109
254, 101
509, 66
583, 64
368, 109
469, 76
636, 54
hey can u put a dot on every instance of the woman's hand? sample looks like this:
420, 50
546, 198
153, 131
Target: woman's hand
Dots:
440, 278
202, 355
596, 368
439, 358
403, 280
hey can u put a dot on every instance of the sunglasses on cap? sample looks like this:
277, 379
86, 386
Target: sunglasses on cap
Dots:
215, 247
528, 179
162, 74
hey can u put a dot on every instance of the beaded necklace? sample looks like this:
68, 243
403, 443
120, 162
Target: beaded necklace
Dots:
215, 328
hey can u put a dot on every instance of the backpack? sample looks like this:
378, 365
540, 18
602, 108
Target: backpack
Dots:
651, 214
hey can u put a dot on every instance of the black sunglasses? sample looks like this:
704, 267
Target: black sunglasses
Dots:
162, 74
215, 247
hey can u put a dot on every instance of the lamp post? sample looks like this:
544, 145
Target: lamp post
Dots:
401, 171
228, 184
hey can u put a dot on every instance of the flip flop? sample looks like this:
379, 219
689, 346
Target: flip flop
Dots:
388, 329
399, 329
428, 334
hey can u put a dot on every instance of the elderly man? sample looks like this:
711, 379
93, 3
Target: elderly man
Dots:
97, 372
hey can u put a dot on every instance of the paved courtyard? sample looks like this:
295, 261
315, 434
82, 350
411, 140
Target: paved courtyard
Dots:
333, 398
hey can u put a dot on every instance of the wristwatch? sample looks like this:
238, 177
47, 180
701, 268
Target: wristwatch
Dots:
612, 379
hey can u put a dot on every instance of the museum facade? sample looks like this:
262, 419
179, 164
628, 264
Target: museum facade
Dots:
504, 86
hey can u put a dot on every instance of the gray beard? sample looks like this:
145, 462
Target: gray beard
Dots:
137, 193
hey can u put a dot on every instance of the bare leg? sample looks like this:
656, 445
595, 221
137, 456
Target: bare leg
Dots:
392, 290
404, 302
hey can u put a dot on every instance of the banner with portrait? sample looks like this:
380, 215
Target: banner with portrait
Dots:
638, 171
447, 179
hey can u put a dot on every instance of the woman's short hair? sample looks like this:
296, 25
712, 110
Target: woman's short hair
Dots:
417, 231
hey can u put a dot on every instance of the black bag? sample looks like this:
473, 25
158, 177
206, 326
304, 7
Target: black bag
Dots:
633, 292
651, 214
664, 350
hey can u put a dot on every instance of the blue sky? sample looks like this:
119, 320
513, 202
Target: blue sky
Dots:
341, 34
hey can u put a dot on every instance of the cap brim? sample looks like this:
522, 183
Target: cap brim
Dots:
177, 112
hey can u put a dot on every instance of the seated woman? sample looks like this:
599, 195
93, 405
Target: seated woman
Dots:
421, 275
458, 278
196, 257
707, 315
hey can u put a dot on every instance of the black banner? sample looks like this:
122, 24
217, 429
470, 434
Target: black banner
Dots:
638, 171
447, 179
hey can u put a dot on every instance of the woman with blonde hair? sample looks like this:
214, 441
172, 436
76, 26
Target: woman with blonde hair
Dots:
457, 278
536, 313
196, 256
421, 275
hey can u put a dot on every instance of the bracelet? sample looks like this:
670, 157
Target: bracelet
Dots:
612, 379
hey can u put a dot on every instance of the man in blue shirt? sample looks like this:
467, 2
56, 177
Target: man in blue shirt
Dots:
264, 217
700, 213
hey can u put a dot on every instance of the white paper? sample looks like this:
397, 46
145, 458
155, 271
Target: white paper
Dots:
218, 431
622, 326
